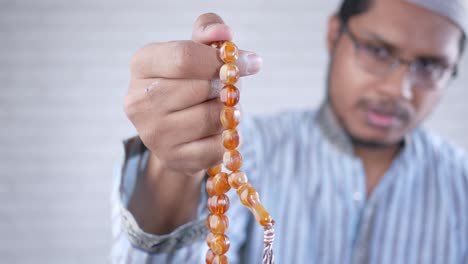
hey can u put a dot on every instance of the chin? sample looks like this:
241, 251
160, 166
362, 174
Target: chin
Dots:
375, 138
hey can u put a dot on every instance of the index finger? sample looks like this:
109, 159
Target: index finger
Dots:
187, 60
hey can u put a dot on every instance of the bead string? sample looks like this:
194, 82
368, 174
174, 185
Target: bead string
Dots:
220, 182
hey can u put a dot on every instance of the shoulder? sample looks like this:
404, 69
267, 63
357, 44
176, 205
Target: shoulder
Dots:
440, 150
449, 164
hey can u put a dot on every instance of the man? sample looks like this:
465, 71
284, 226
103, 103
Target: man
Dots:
357, 181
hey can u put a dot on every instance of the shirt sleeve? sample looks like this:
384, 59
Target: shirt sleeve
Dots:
186, 244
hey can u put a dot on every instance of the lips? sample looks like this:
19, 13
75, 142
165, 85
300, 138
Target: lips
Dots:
382, 120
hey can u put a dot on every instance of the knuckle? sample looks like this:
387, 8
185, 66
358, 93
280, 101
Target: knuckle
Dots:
183, 54
129, 106
157, 90
154, 139
174, 158
141, 60
194, 90
214, 115
136, 61
163, 159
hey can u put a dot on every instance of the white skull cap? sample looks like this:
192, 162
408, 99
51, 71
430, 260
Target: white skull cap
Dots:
454, 10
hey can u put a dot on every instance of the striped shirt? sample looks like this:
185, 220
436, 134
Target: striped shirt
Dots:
303, 166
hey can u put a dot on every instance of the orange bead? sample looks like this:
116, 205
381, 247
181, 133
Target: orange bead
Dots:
231, 139
218, 184
247, 195
212, 258
217, 44
229, 52
229, 95
214, 170
229, 73
230, 117
236, 179
232, 160
210, 187
218, 204
217, 223
220, 260
250, 198
261, 214
210, 255
218, 243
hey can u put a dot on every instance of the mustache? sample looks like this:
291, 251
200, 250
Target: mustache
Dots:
395, 108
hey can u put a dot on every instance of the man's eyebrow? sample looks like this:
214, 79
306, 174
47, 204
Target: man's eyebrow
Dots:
381, 40
395, 50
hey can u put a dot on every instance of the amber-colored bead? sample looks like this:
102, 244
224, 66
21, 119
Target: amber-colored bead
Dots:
231, 139
219, 243
230, 117
245, 191
229, 52
210, 255
229, 95
220, 260
232, 159
218, 204
237, 179
229, 73
210, 187
261, 214
212, 258
217, 223
217, 44
250, 198
214, 170
218, 184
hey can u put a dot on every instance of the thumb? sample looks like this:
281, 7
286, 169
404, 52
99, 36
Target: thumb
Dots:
209, 28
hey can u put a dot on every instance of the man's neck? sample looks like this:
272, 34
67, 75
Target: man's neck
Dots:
376, 162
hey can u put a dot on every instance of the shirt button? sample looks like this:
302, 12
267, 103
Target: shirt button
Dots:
357, 196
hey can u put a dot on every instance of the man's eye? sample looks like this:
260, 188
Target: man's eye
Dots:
427, 67
380, 53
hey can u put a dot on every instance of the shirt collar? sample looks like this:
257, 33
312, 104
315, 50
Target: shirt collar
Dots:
332, 130
336, 135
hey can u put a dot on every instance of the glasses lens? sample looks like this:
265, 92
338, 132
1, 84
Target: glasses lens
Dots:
375, 60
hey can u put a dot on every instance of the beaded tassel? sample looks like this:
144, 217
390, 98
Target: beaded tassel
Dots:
220, 182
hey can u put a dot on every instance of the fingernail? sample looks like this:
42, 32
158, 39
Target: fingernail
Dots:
253, 62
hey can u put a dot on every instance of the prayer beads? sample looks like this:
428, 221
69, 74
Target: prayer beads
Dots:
217, 223
230, 117
231, 139
219, 182
218, 204
229, 95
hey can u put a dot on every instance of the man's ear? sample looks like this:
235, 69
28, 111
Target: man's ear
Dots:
333, 32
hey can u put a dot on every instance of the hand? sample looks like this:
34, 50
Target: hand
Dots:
173, 97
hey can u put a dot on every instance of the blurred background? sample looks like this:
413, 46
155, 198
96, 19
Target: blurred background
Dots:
63, 77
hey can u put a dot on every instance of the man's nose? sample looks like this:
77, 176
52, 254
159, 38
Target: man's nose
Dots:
398, 83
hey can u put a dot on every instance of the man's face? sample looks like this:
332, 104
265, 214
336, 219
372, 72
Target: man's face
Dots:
381, 108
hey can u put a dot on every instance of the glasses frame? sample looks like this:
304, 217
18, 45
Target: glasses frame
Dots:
442, 79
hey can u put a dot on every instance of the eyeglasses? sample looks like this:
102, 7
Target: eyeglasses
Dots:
378, 60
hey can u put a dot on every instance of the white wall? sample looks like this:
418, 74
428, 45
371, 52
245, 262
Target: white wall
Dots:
63, 75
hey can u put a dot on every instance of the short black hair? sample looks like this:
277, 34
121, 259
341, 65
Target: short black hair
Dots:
351, 8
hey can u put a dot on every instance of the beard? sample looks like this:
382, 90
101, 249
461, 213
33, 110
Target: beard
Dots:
356, 140
371, 144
